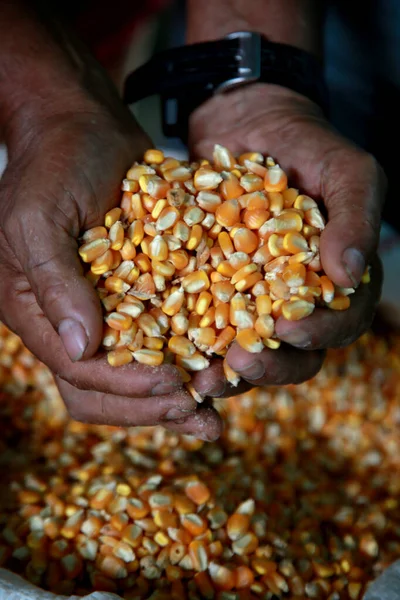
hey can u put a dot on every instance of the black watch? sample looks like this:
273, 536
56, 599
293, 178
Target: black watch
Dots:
187, 76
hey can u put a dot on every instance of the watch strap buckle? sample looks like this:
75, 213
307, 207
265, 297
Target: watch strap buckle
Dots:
248, 59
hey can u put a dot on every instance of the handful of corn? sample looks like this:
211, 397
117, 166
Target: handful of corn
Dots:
200, 254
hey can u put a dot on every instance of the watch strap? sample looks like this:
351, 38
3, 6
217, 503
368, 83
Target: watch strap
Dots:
187, 76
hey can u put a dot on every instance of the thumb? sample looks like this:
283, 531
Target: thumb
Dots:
48, 255
353, 189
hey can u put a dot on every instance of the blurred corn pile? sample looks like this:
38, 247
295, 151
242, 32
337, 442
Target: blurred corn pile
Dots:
299, 499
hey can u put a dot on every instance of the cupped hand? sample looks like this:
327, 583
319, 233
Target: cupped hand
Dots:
63, 175
350, 185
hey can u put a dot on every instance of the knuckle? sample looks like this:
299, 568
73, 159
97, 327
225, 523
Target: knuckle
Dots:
50, 294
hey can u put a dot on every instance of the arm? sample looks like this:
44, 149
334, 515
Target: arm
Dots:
295, 22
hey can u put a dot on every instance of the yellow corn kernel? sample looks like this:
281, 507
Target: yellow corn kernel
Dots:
112, 217
94, 249
221, 316
116, 284
366, 278
339, 303
327, 289
223, 159
96, 233
289, 197
252, 183
118, 321
228, 213
173, 303
222, 291
255, 218
223, 340
265, 326
202, 337
249, 340
195, 362
196, 282
153, 343
294, 242
195, 237
206, 179
208, 201
119, 357
230, 188
231, 376
111, 302
225, 269
272, 343
136, 232
166, 218
198, 492
116, 235
275, 179
145, 356
255, 167
243, 272
198, 554
128, 250
103, 263
225, 244
256, 157
314, 218
248, 281
263, 304
158, 248
153, 156
110, 337
180, 345
296, 310
245, 240
237, 525
294, 275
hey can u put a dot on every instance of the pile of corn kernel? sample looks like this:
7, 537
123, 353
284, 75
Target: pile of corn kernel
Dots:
200, 254
298, 499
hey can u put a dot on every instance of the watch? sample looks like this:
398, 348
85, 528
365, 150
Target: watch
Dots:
187, 76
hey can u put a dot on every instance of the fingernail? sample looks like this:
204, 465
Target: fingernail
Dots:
253, 371
217, 389
175, 414
74, 338
354, 264
298, 338
162, 389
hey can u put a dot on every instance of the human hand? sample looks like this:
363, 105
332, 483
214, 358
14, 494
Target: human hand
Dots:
322, 164
64, 172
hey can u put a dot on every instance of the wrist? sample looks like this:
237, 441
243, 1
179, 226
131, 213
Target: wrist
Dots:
46, 72
293, 22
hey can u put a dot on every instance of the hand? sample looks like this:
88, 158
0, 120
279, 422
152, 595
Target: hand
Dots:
322, 164
64, 174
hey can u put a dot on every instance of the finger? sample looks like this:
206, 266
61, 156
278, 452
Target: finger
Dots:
353, 190
275, 367
212, 382
22, 314
110, 409
205, 424
48, 255
326, 328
